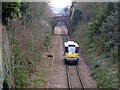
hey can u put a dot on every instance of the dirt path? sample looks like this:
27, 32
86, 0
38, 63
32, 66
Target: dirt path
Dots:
58, 77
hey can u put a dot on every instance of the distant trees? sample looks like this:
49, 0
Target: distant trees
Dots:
76, 17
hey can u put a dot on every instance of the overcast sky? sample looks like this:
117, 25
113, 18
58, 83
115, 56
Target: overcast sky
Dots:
57, 4
60, 3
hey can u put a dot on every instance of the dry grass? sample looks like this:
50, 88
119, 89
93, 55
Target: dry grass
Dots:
29, 39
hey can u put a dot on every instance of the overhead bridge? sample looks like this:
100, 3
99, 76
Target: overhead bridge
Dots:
65, 19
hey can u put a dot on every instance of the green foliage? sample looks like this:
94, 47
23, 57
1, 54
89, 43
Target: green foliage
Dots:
24, 8
46, 40
31, 37
1, 77
70, 11
66, 9
13, 9
23, 67
104, 26
25, 12
106, 82
104, 78
6, 67
103, 69
97, 21
76, 17
99, 45
9, 10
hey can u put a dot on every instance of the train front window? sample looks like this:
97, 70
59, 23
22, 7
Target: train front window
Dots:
71, 50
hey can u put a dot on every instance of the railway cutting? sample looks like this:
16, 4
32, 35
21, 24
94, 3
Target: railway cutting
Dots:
74, 77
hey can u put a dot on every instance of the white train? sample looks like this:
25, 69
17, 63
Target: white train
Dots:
71, 52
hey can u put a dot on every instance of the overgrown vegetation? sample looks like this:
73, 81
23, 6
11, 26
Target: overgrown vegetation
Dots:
6, 67
76, 17
29, 30
98, 42
9, 10
1, 77
23, 66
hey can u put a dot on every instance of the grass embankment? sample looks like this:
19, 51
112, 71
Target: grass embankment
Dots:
25, 54
1, 78
29, 40
98, 42
29, 30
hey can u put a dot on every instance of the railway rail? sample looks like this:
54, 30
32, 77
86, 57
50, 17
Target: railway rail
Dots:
69, 79
64, 39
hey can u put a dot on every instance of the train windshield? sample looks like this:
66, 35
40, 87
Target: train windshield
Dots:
71, 50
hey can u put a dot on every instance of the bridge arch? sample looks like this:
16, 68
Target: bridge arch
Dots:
65, 19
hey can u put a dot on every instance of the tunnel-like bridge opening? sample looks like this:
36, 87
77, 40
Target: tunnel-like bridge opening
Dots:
62, 19
60, 28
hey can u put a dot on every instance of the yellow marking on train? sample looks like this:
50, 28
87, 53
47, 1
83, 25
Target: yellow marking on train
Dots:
71, 55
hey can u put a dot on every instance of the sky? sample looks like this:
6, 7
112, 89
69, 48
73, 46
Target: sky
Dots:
60, 3
57, 5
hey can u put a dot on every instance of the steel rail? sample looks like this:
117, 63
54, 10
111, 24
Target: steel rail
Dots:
64, 39
68, 78
80, 77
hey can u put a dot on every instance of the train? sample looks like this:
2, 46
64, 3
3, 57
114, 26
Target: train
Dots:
71, 52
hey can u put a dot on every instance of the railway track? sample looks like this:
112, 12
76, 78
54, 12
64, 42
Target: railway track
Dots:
79, 77
65, 37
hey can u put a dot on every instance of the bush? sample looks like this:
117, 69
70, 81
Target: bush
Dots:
76, 17
98, 42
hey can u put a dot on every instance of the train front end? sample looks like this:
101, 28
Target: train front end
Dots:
71, 52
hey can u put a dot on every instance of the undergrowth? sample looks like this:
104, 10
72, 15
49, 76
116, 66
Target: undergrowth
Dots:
29, 31
98, 42
25, 58
1, 77
23, 66
6, 68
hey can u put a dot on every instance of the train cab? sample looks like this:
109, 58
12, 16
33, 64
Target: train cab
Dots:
71, 52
